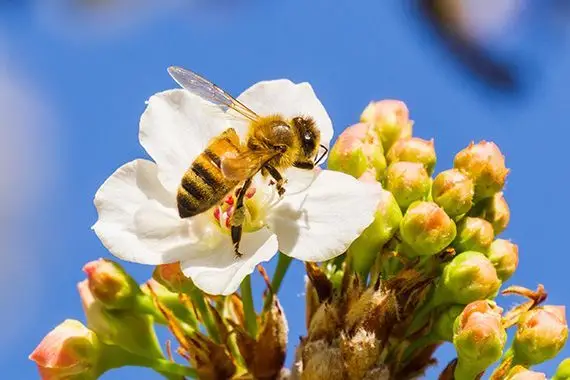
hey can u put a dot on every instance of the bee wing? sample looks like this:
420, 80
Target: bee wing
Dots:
245, 164
208, 91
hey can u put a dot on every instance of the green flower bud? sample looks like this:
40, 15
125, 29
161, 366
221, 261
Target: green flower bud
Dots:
366, 248
356, 151
473, 234
485, 165
563, 370
453, 191
505, 257
496, 211
390, 120
478, 337
443, 326
541, 334
171, 277
426, 228
413, 149
470, 276
110, 284
519, 372
408, 181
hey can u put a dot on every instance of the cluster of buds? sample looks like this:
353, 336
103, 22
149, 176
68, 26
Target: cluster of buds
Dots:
426, 271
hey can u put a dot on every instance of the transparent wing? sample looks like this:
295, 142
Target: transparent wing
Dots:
245, 164
208, 91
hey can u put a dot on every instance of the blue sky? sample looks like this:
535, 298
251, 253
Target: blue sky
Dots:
73, 87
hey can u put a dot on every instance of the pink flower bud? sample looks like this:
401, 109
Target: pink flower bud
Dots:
505, 257
485, 165
110, 284
413, 149
478, 337
71, 349
541, 334
453, 191
473, 234
408, 182
426, 228
390, 119
356, 151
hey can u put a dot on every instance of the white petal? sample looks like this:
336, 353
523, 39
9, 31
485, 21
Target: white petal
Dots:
175, 128
320, 223
138, 220
220, 271
288, 99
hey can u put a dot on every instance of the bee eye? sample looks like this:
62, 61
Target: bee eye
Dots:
308, 136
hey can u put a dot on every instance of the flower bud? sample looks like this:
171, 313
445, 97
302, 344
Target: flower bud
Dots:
132, 331
390, 120
360, 352
473, 234
110, 284
563, 370
368, 245
478, 337
171, 277
541, 334
496, 211
453, 191
505, 257
443, 326
519, 372
485, 165
470, 276
408, 182
356, 151
70, 350
426, 228
413, 149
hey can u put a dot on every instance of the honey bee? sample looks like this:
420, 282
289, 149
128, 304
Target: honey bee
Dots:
273, 143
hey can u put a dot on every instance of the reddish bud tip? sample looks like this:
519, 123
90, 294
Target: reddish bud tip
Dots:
110, 284
485, 165
390, 120
453, 191
408, 182
414, 149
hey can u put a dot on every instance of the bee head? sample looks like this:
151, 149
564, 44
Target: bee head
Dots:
309, 137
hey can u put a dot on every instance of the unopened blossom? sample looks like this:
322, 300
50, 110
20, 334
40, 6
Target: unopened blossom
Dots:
496, 211
478, 337
414, 149
453, 191
390, 119
541, 334
138, 215
408, 182
519, 372
70, 351
485, 165
505, 257
357, 151
563, 370
110, 284
473, 234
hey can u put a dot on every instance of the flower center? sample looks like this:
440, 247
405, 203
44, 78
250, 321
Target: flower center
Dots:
254, 210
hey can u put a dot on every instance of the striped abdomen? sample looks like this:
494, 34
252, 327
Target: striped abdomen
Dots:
203, 185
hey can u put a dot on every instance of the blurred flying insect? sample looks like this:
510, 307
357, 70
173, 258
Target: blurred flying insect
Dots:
273, 143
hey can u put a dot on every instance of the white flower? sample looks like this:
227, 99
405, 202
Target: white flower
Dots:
138, 216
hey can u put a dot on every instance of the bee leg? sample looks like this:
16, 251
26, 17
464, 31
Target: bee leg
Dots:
279, 181
238, 217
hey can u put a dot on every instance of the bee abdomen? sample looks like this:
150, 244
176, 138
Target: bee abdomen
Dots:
203, 185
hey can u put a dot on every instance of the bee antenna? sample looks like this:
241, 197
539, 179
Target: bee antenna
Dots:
322, 155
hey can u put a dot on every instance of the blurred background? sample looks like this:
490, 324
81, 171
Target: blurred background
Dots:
74, 76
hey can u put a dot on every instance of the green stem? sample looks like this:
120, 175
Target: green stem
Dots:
197, 298
283, 263
248, 308
419, 343
116, 357
145, 305
464, 372
507, 363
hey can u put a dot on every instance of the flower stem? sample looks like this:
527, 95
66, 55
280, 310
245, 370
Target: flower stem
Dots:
248, 308
197, 298
116, 357
283, 263
507, 363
